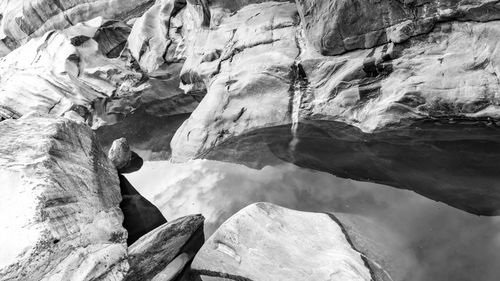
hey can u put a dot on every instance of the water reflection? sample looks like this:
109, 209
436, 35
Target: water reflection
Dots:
439, 242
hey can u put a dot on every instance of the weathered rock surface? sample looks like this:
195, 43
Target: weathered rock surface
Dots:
267, 242
163, 253
22, 20
60, 204
336, 26
247, 63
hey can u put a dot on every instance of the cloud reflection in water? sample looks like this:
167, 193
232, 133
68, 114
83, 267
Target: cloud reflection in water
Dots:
442, 243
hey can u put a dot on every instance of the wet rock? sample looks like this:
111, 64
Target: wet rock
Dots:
140, 215
60, 204
163, 253
267, 242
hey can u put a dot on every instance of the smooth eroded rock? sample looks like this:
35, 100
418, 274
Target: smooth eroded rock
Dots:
267, 242
22, 20
60, 216
336, 26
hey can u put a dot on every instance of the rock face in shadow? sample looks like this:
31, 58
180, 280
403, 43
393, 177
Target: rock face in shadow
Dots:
140, 215
267, 242
60, 205
451, 163
163, 253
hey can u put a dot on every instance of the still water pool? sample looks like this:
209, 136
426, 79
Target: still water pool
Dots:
433, 240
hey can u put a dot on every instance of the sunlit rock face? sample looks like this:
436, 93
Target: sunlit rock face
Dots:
22, 20
407, 83
86, 70
245, 64
264, 241
60, 216
70, 70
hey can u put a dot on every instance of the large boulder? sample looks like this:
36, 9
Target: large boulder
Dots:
60, 217
267, 242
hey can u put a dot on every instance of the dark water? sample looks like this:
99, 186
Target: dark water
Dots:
433, 240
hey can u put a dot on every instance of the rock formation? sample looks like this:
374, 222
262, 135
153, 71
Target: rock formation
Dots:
22, 20
404, 93
267, 242
60, 204
163, 253
380, 86
140, 215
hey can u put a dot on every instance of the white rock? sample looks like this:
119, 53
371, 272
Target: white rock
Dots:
60, 218
267, 242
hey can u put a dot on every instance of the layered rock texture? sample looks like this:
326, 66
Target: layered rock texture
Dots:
60, 204
264, 241
163, 253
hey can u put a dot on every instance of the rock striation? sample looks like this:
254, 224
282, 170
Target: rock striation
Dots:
163, 253
267, 242
60, 205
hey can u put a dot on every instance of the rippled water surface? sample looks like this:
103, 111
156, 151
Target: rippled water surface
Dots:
433, 240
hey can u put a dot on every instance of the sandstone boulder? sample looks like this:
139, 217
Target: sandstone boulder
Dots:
267, 242
60, 217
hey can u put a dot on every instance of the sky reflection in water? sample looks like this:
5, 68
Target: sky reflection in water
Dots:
440, 242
